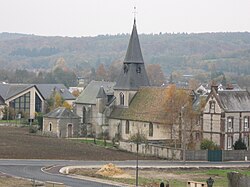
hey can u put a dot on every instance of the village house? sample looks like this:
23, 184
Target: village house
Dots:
226, 116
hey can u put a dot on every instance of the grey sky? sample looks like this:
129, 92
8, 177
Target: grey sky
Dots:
94, 17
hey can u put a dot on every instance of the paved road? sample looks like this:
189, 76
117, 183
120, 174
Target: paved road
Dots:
32, 168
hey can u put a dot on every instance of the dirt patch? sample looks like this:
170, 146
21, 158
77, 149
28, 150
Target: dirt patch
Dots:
8, 181
110, 170
18, 143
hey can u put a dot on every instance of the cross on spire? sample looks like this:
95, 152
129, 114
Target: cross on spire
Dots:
135, 12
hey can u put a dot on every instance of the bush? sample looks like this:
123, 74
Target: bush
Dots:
239, 145
208, 144
33, 129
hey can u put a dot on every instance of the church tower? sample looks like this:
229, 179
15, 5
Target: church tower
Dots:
133, 74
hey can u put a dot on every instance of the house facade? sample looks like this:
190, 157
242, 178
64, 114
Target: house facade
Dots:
225, 118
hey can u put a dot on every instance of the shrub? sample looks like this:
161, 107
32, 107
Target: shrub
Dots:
208, 144
239, 145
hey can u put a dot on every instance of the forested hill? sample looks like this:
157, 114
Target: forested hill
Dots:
185, 53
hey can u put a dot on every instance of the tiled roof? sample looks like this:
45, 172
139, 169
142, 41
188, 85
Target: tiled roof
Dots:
149, 105
61, 112
233, 101
89, 94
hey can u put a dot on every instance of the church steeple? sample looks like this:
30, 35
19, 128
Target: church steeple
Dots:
133, 74
134, 54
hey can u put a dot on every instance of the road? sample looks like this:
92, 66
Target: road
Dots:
31, 169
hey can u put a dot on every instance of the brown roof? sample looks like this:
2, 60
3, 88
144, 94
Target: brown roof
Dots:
149, 105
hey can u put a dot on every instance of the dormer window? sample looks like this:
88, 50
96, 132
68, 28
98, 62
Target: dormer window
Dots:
125, 68
138, 68
121, 98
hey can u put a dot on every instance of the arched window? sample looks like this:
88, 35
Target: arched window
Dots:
121, 98
50, 126
151, 130
127, 127
83, 115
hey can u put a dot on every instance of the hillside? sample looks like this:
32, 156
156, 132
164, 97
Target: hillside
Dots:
184, 53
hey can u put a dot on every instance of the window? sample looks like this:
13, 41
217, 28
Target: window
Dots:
138, 68
212, 106
22, 103
229, 142
246, 123
84, 115
127, 127
230, 124
38, 105
121, 98
197, 136
50, 127
245, 140
151, 130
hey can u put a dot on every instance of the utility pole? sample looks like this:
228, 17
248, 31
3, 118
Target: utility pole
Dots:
137, 149
184, 129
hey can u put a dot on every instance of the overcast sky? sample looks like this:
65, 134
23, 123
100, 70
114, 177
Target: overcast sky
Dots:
95, 17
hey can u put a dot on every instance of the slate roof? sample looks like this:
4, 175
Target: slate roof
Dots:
9, 90
133, 74
2, 101
234, 101
89, 94
47, 89
134, 54
149, 105
61, 113
101, 93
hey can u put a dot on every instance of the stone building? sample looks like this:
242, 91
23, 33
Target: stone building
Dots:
226, 117
61, 123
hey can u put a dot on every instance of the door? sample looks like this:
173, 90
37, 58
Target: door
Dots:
215, 155
70, 130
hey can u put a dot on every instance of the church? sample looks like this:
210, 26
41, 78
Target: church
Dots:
122, 109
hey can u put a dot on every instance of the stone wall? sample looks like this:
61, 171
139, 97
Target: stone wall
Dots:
152, 150
236, 179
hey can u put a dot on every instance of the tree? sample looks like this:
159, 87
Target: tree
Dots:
101, 73
181, 115
155, 74
239, 145
208, 145
55, 101
8, 113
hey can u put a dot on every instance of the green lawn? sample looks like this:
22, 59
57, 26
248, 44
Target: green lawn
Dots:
92, 141
199, 175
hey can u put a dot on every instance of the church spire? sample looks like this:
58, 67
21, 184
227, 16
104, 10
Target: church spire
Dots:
133, 74
134, 54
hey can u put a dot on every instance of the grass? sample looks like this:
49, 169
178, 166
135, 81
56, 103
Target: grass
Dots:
180, 179
96, 141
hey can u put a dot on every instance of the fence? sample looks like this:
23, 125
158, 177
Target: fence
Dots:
152, 150
226, 155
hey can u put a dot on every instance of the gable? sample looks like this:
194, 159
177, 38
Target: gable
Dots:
89, 94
